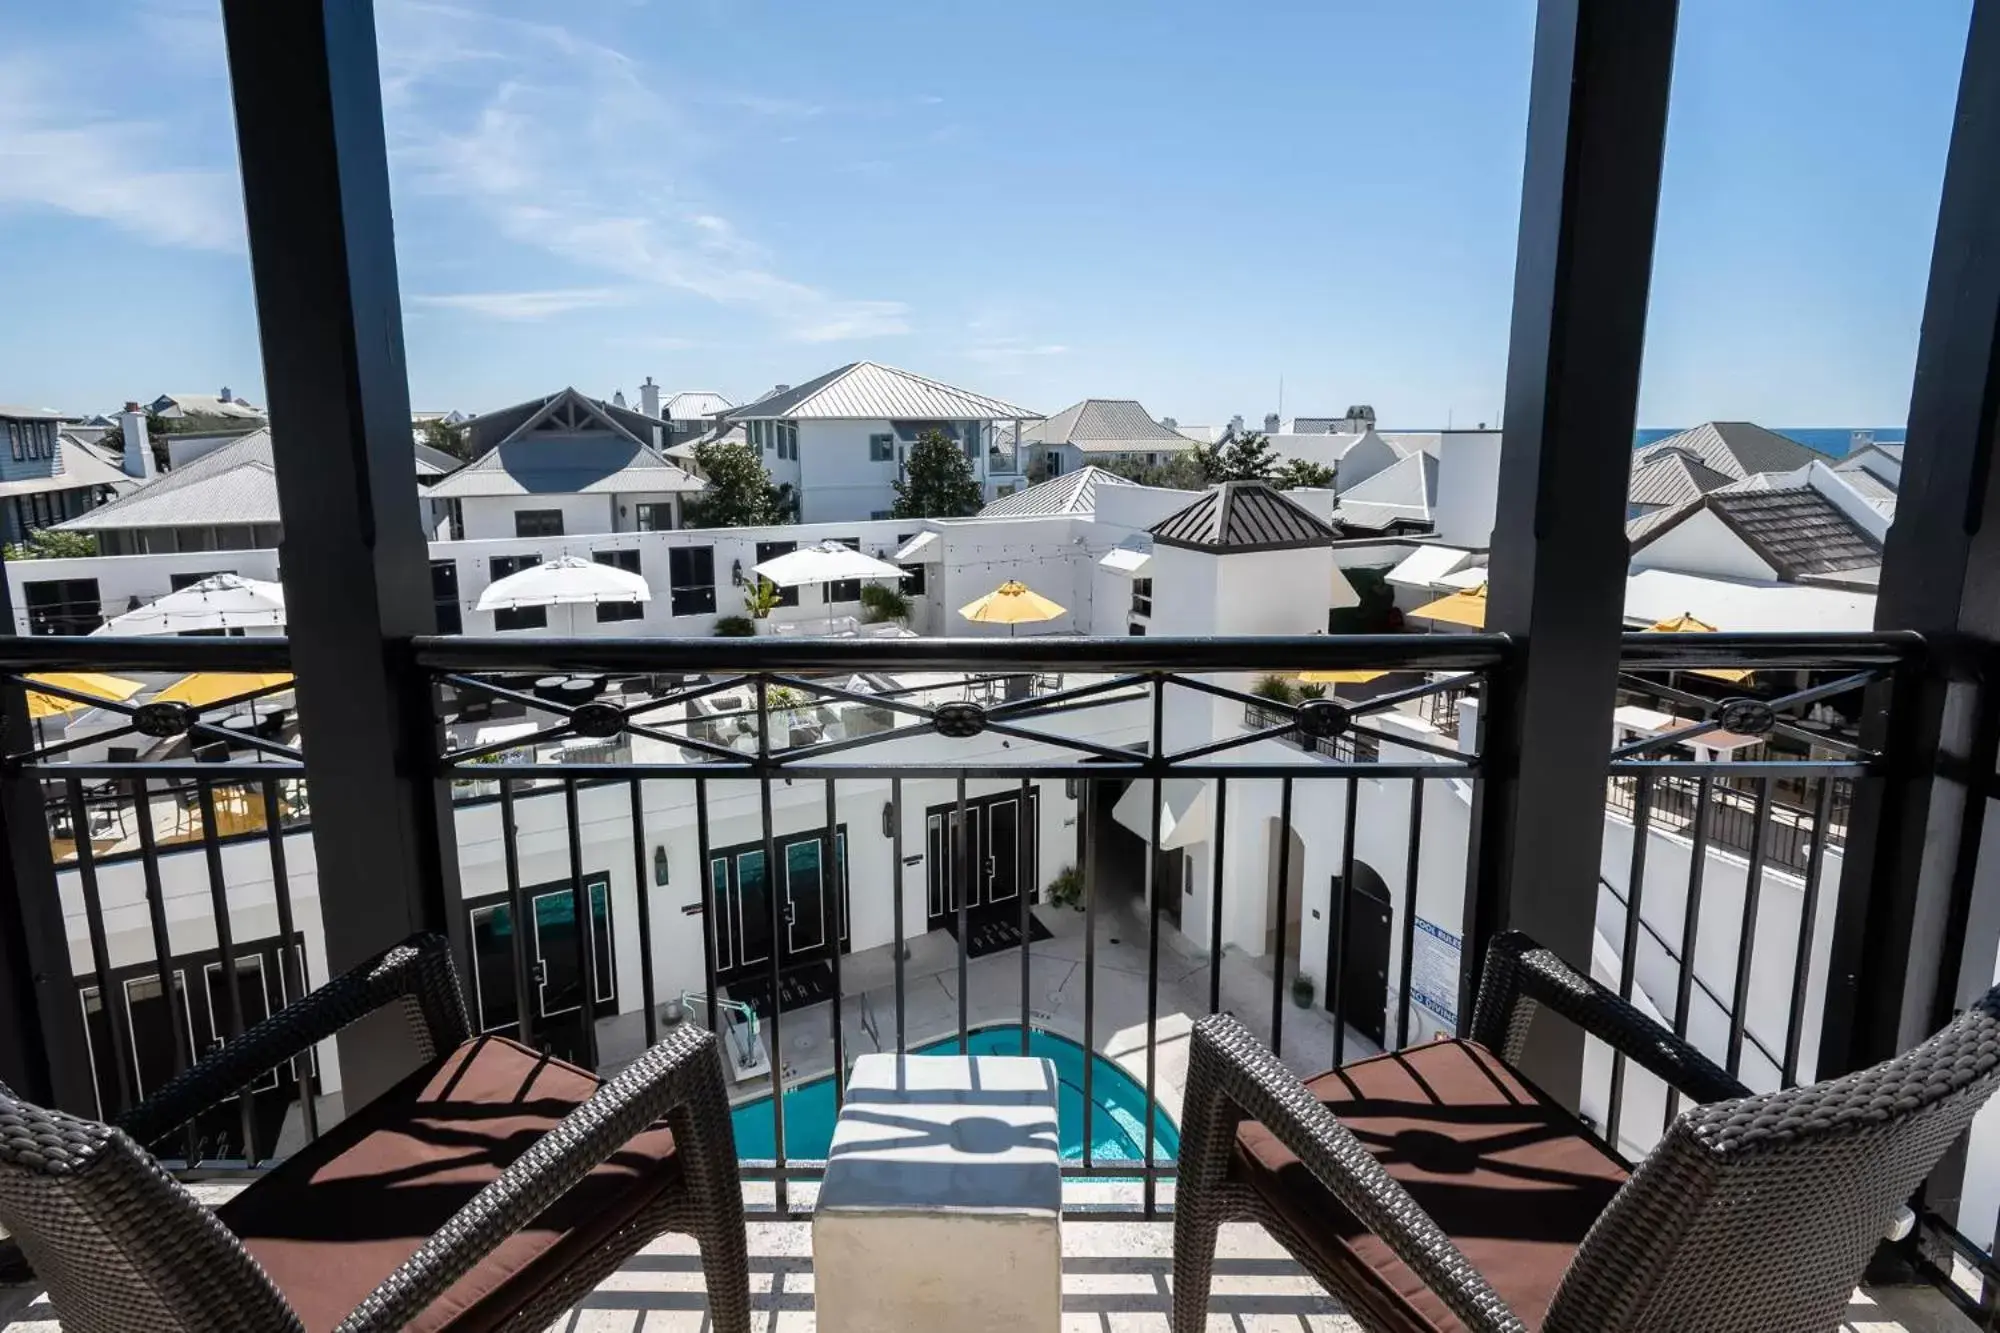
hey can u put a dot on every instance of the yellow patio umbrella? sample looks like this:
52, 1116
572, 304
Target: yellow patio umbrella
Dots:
206, 687
1012, 603
1340, 677
112, 689
1466, 608
1685, 623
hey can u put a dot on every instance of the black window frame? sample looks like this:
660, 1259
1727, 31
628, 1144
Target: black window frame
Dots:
1142, 596
64, 613
687, 593
845, 590
521, 618
770, 551
625, 558
642, 515
444, 597
524, 528
882, 447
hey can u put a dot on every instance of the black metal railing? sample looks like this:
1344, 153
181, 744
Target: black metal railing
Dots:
1028, 779
865, 874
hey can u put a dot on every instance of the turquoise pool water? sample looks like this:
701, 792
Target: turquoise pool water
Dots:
1117, 1124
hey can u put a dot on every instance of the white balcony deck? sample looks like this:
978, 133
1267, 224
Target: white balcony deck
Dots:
1117, 1278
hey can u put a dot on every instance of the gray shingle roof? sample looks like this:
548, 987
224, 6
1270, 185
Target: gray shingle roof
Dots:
1737, 449
1075, 493
1244, 516
869, 391
1795, 530
235, 484
1671, 477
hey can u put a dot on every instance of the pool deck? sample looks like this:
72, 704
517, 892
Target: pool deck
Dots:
1055, 1003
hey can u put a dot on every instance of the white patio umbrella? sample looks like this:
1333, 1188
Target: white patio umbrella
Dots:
824, 562
221, 601
564, 581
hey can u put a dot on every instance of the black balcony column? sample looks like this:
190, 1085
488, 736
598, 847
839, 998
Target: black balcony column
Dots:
1918, 915
43, 1053
1597, 118
308, 98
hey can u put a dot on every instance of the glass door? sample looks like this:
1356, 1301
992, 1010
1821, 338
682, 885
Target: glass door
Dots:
805, 899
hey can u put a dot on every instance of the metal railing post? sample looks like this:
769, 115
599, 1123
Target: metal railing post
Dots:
307, 90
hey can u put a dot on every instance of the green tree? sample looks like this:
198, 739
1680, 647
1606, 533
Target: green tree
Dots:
1298, 472
44, 544
1246, 457
1190, 470
739, 494
446, 438
937, 481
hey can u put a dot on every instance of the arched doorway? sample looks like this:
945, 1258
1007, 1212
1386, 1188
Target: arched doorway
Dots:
1363, 955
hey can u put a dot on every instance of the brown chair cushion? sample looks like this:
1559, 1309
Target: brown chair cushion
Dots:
334, 1220
1510, 1176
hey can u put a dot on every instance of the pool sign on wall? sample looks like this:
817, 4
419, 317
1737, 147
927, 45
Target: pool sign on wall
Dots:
1434, 963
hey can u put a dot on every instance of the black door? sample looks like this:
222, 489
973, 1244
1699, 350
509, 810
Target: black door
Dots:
195, 1000
1364, 975
996, 867
810, 889
554, 953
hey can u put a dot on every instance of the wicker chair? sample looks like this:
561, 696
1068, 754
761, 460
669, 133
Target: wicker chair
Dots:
492, 1189
1435, 1188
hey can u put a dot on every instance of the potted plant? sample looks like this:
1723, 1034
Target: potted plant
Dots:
1066, 889
734, 627
760, 598
1275, 688
883, 602
1302, 990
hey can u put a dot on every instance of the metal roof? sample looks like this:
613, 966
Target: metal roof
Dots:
869, 391
1737, 449
1244, 516
17, 413
1671, 477
1075, 493
1121, 421
210, 405
606, 464
691, 403
232, 485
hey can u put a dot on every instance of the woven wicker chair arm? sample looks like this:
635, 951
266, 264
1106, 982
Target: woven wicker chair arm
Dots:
681, 1079
417, 972
1264, 1090
1520, 975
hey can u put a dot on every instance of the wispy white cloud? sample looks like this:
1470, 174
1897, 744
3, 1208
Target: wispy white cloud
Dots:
573, 148
1004, 351
57, 155
524, 305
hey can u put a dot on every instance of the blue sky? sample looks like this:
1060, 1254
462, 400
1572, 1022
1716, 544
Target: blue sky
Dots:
1044, 200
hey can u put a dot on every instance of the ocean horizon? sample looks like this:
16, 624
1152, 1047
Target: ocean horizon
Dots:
1833, 441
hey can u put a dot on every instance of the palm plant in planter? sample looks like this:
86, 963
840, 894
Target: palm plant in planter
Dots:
1066, 888
1275, 688
1302, 990
884, 602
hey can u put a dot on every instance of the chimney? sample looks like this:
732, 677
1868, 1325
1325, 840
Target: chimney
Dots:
1271, 423
649, 398
618, 398
138, 449
1236, 422
225, 395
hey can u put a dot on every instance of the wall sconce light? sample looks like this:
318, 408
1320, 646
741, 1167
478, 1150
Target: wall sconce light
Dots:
736, 573
888, 819
1069, 788
660, 865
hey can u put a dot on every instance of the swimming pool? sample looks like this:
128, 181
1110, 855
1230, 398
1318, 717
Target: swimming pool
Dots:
1117, 1121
